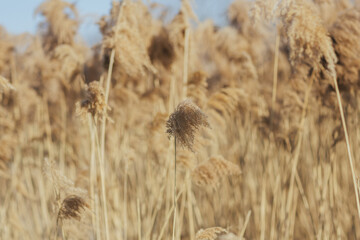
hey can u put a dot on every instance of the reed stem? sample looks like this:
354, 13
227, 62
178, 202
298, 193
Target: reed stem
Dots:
174, 221
347, 144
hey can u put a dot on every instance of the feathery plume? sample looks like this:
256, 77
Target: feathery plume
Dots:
345, 34
225, 104
208, 173
124, 33
210, 233
6, 49
71, 208
308, 39
94, 101
62, 22
185, 121
60, 181
180, 23
197, 88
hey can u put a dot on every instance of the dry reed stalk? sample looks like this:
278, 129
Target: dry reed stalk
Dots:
348, 147
102, 175
190, 205
276, 63
347, 51
180, 224
174, 196
263, 209
167, 218
138, 218
245, 225
96, 106
186, 61
274, 208
103, 130
299, 143
305, 201
93, 172
182, 125
5, 85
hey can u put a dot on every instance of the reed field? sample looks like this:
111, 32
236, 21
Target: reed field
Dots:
176, 128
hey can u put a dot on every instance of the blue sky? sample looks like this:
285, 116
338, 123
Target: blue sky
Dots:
17, 16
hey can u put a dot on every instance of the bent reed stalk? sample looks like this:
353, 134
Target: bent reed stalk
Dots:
348, 147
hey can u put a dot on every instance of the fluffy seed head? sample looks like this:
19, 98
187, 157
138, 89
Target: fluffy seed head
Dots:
71, 208
94, 101
345, 34
210, 233
308, 39
184, 122
209, 172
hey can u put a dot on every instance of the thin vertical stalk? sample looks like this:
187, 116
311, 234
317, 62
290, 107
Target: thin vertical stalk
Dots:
102, 145
174, 221
186, 61
276, 64
125, 199
138, 218
102, 178
190, 206
167, 218
299, 142
245, 225
92, 169
347, 144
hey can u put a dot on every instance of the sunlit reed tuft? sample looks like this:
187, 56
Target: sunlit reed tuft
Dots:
184, 122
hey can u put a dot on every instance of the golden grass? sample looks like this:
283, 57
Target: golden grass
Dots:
271, 166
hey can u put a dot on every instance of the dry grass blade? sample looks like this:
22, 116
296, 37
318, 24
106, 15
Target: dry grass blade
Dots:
5, 84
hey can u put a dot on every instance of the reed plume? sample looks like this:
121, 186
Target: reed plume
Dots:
124, 33
313, 46
60, 182
184, 122
345, 34
210, 233
62, 22
94, 102
6, 50
211, 171
197, 88
71, 208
